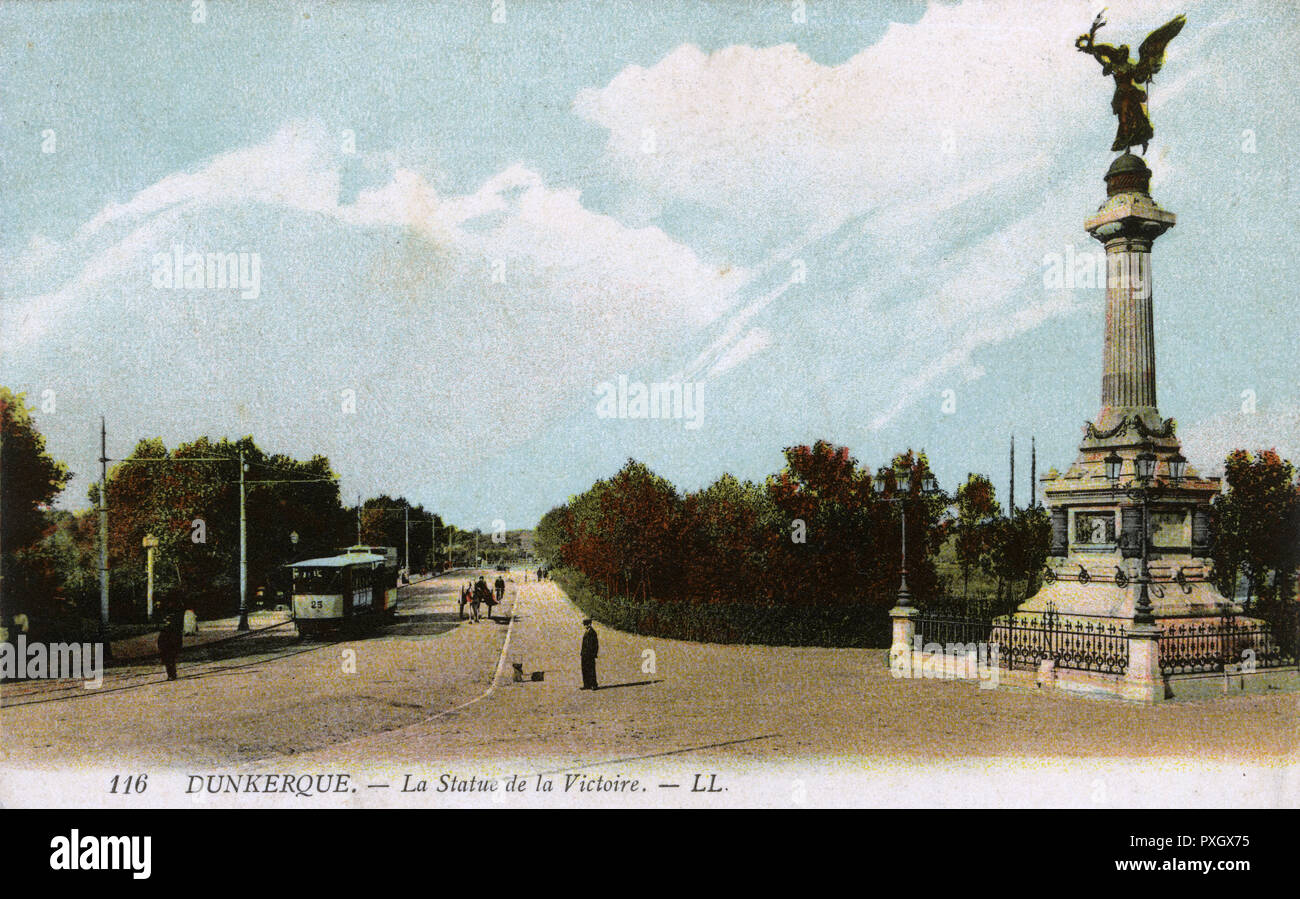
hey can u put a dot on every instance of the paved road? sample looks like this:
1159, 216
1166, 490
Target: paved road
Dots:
267, 694
424, 699
730, 704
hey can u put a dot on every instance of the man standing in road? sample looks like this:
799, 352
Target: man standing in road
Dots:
590, 649
501, 588
170, 637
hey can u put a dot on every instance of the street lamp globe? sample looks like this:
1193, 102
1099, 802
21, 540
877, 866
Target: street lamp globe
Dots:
1113, 466
879, 485
1177, 467
929, 484
1146, 465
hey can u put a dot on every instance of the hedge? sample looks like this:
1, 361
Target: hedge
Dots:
863, 626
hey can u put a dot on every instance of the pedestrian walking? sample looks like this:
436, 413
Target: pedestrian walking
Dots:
170, 637
500, 588
590, 649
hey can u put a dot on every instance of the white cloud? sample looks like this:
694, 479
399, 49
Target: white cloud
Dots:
879, 153
1207, 442
754, 342
392, 295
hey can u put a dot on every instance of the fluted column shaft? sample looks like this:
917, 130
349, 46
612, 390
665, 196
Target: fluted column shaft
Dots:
1129, 354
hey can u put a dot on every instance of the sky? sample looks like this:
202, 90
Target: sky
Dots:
470, 220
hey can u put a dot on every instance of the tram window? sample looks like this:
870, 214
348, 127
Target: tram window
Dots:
316, 581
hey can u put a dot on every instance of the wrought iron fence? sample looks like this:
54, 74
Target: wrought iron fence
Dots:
1209, 646
1024, 641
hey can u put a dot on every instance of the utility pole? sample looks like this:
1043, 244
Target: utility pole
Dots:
103, 532
243, 551
406, 518
4, 608
1011, 502
1033, 474
358, 519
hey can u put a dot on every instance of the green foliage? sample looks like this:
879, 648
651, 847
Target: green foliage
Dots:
973, 529
384, 522
29, 481
1018, 548
748, 623
1257, 526
815, 543
188, 499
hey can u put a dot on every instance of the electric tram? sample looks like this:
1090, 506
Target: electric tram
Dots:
356, 586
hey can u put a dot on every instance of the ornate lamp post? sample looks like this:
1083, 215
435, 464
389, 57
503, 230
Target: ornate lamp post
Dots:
1142, 489
903, 485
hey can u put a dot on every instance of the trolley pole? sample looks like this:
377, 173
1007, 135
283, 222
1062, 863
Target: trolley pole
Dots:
243, 551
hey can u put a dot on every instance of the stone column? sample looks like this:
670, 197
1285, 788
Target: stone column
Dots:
1127, 224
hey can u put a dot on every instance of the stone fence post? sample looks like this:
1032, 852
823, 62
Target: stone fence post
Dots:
900, 647
1143, 682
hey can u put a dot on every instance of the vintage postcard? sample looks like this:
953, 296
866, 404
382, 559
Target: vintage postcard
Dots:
690, 404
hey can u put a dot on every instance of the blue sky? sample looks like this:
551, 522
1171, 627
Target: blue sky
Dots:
471, 225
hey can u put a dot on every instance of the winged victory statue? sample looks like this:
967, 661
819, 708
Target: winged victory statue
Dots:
1130, 100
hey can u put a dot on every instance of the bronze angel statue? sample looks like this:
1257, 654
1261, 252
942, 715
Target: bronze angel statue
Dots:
1129, 102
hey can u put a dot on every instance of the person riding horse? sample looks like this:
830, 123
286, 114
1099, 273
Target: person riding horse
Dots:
483, 594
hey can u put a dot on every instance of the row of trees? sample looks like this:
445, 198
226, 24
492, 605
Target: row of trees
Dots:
187, 500
817, 533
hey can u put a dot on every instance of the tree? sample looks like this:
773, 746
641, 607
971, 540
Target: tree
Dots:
730, 531
1257, 525
188, 499
30, 479
829, 519
1018, 549
977, 513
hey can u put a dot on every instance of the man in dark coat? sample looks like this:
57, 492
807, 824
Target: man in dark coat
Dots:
170, 637
590, 649
500, 586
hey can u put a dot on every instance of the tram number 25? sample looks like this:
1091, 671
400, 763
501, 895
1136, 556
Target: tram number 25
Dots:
132, 783
317, 604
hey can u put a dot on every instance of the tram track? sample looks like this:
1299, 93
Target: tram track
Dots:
116, 682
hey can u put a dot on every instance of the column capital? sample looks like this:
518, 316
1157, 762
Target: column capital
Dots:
1129, 216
